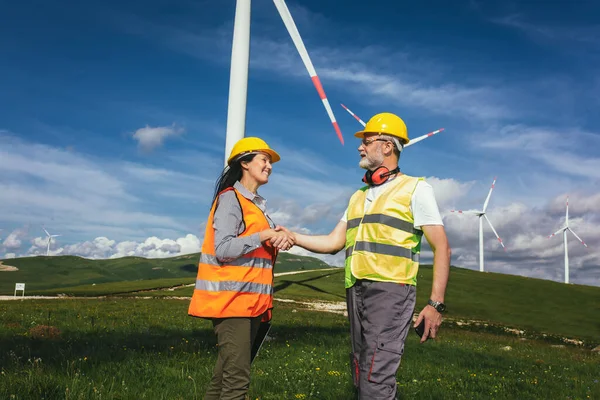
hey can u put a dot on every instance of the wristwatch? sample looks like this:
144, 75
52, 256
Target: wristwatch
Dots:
439, 306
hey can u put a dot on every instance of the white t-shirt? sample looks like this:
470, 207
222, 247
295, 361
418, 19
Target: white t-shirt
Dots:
422, 204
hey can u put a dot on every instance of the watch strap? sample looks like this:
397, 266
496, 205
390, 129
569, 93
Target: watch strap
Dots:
439, 306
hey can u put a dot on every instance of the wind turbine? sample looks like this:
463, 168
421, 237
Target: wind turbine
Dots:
564, 232
50, 237
482, 215
412, 141
238, 78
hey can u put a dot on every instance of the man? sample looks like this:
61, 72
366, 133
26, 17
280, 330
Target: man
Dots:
381, 233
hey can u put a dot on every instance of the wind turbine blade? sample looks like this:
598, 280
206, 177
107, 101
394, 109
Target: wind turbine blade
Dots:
356, 117
465, 212
46, 231
55, 235
487, 200
290, 25
417, 140
495, 233
557, 232
567, 213
578, 238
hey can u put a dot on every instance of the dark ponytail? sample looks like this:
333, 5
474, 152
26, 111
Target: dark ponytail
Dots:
230, 175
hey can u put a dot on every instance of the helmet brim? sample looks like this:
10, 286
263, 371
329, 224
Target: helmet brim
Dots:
272, 153
361, 135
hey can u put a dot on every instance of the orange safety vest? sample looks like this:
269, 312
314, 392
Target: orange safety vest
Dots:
239, 288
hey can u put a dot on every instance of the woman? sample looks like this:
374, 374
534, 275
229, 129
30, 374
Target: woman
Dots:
234, 287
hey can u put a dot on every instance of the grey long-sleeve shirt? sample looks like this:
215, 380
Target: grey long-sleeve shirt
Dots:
228, 225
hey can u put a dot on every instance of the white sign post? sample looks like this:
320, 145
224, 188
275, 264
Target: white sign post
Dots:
20, 286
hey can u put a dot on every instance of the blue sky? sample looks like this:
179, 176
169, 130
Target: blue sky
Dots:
113, 118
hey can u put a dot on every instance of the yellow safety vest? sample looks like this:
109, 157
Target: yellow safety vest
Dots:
383, 244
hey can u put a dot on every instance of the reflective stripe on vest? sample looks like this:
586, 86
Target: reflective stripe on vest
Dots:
234, 286
384, 249
383, 245
240, 262
238, 288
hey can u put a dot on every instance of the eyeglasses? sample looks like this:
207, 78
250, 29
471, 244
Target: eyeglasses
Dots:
366, 142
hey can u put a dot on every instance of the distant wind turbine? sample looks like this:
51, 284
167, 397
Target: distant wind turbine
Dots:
49, 240
412, 141
564, 232
482, 215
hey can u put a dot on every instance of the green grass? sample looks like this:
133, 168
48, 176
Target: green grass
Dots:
533, 305
53, 275
139, 288
151, 349
134, 348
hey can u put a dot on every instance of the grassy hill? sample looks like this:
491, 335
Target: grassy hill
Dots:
533, 305
47, 273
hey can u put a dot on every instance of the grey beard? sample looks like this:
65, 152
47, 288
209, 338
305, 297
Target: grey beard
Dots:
370, 164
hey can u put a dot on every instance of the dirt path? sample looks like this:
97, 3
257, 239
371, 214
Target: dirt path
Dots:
7, 268
18, 297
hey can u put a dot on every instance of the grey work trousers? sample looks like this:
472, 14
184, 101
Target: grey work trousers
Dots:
231, 376
380, 315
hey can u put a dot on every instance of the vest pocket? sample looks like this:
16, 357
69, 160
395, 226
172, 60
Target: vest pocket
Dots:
386, 360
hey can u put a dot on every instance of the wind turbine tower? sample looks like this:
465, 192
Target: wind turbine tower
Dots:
50, 237
564, 230
238, 76
481, 215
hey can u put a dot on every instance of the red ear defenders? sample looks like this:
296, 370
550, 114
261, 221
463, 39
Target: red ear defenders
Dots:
379, 176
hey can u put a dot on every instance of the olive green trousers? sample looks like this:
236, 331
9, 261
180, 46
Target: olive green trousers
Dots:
231, 376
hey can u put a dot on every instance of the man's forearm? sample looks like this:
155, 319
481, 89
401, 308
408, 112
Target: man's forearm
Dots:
441, 272
323, 244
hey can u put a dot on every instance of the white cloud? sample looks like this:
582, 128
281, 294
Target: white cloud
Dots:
566, 151
189, 244
150, 138
13, 240
78, 194
586, 34
39, 246
154, 247
448, 191
525, 231
382, 81
404, 89
9, 256
101, 247
130, 220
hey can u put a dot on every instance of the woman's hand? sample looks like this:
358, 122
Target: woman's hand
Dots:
279, 238
283, 240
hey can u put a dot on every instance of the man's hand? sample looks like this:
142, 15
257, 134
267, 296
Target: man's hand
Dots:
280, 228
433, 320
283, 239
323, 244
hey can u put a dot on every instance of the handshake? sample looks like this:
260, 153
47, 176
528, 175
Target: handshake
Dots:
280, 238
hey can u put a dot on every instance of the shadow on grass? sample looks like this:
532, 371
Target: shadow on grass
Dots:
108, 346
192, 268
284, 284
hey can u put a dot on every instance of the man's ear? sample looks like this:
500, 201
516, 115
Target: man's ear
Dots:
389, 148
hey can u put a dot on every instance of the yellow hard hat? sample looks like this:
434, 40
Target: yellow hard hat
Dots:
386, 123
251, 145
